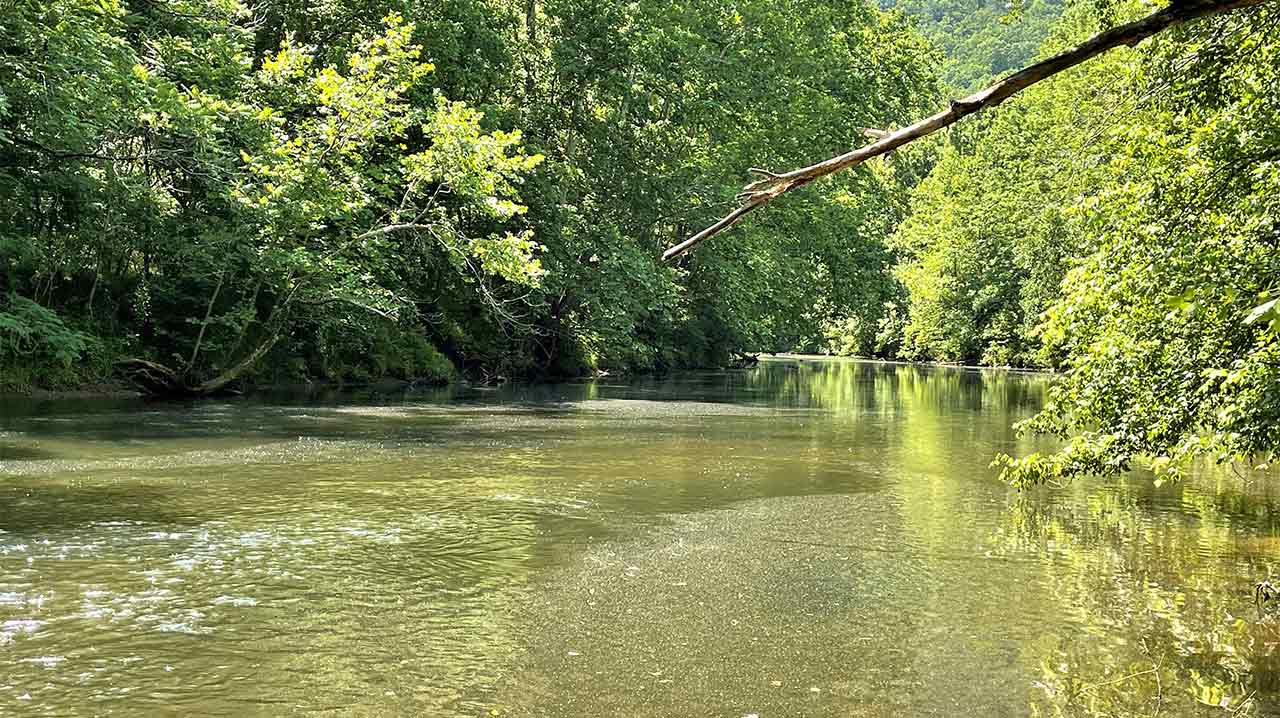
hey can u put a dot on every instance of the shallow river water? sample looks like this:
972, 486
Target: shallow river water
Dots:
806, 538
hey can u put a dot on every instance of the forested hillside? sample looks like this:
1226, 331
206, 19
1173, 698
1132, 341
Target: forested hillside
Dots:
981, 39
1120, 223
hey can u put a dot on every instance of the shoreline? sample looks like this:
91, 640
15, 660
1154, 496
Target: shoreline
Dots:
121, 391
88, 391
903, 362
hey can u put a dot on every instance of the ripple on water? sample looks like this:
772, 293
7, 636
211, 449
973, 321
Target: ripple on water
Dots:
45, 661
11, 629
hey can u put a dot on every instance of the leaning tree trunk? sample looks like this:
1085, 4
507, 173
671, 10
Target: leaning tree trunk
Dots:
220, 382
158, 380
771, 185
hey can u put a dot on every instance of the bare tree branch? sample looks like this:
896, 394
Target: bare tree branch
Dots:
771, 185
391, 228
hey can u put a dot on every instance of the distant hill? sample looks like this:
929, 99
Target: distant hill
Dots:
980, 42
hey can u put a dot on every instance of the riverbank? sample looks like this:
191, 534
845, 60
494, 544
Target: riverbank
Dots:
88, 391
899, 362
122, 390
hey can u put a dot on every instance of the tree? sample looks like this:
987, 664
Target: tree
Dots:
1167, 329
986, 244
773, 185
243, 200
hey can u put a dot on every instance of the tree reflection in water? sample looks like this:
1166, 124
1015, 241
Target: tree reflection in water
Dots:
1124, 565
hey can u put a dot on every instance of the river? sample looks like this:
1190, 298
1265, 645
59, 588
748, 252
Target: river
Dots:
804, 538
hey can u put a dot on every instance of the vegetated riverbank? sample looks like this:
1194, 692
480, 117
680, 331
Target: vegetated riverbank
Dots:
123, 390
119, 388
88, 391
903, 362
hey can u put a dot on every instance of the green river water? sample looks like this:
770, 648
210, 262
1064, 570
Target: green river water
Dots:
805, 538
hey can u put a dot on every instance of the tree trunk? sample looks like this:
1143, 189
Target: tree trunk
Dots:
219, 382
152, 378
204, 325
531, 30
161, 381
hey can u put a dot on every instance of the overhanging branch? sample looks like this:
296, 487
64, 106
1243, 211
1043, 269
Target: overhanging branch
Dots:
771, 185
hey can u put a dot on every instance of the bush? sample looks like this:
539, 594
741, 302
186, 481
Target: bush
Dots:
38, 349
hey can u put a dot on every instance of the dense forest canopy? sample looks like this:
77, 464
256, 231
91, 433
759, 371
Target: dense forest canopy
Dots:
211, 192
349, 190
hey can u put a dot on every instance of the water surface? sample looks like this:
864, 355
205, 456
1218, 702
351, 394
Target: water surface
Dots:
806, 538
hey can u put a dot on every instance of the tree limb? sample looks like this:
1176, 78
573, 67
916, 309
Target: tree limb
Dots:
208, 312
770, 186
59, 155
390, 228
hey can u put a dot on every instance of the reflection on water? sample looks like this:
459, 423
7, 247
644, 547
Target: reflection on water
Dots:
819, 538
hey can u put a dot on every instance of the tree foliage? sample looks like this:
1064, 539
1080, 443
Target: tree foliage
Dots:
231, 190
1118, 224
984, 248
981, 39
1167, 328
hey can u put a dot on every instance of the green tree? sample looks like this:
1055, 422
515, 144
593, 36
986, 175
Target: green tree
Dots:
1166, 330
245, 200
981, 39
985, 246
